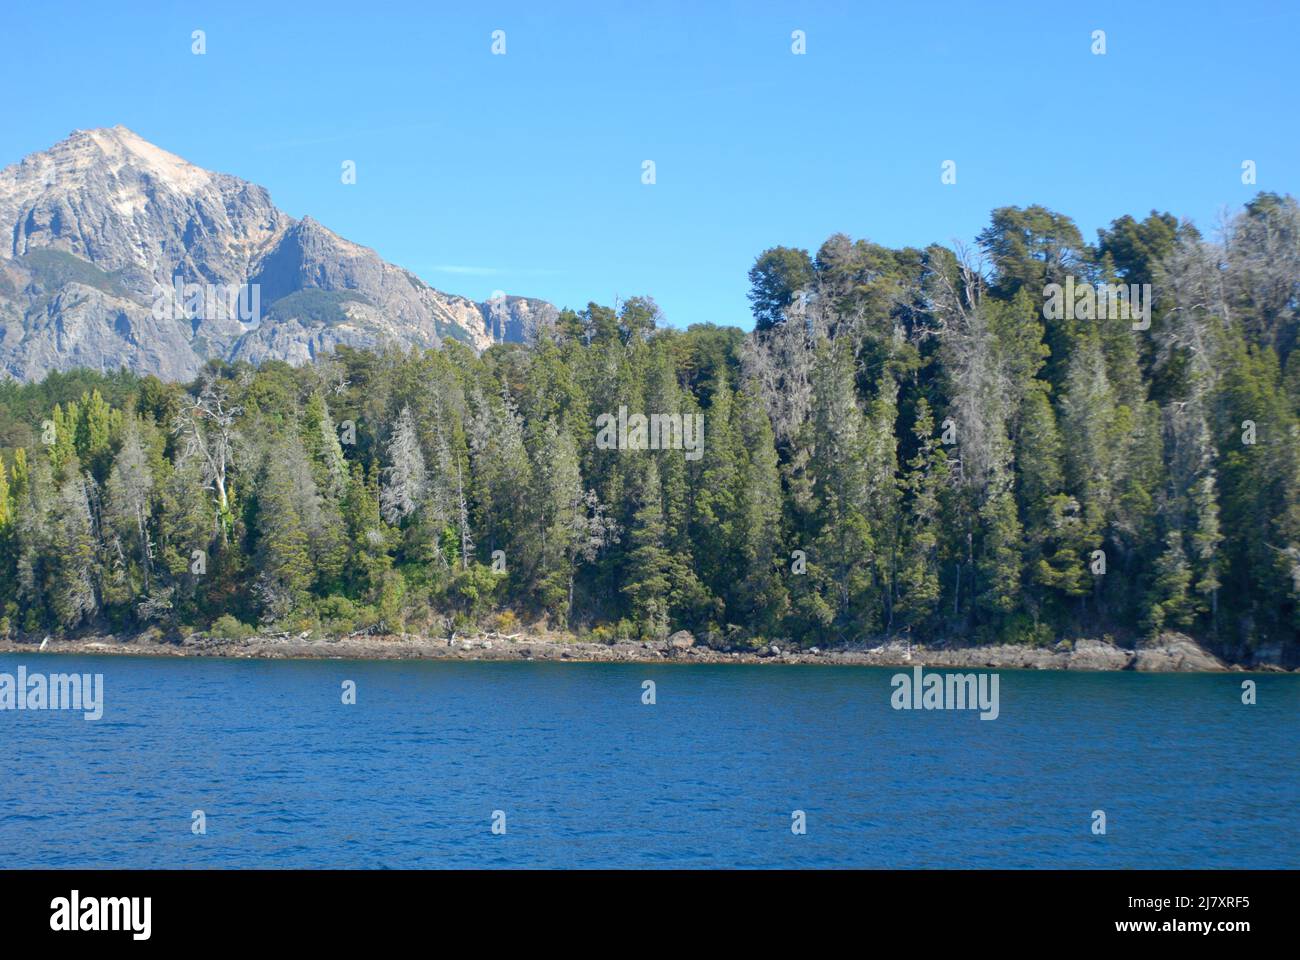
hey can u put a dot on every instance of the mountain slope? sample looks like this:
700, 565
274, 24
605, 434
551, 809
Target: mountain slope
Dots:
117, 253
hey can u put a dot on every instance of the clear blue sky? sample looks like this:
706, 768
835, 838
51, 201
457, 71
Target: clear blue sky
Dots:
522, 172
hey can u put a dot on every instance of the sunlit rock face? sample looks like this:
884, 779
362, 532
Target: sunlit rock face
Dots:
116, 253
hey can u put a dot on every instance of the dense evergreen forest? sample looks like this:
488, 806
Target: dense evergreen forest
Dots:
910, 442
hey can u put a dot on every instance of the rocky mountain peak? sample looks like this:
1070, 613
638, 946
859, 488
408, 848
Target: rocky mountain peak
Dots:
109, 237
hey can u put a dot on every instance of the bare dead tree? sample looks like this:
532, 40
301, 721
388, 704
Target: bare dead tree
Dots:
205, 424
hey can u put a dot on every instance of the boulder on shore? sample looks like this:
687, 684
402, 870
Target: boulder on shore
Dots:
1090, 654
681, 640
1175, 651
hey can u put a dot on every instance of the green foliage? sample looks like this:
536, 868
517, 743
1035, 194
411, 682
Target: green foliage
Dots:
313, 306
777, 276
226, 627
52, 269
923, 452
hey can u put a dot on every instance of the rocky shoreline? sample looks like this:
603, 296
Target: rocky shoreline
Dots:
1170, 653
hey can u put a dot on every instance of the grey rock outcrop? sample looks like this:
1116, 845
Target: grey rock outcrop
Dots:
1175, 652
681, 640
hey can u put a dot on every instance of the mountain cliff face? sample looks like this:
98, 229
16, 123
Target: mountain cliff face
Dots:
116, 253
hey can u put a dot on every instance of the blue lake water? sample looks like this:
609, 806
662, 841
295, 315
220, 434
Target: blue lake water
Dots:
588, 776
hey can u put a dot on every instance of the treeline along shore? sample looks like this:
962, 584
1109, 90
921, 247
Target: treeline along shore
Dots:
1033, 441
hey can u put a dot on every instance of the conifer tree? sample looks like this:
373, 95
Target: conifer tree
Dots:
406, 479
282, 551
918, 584
74, 590
647, 578
128, 510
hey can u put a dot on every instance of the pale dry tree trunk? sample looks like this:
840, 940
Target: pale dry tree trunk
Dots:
207, 425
